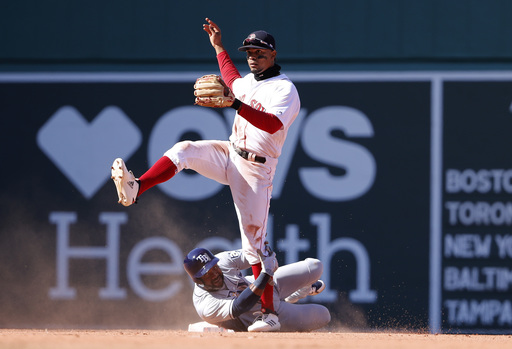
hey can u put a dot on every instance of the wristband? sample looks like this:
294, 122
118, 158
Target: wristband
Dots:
236, 104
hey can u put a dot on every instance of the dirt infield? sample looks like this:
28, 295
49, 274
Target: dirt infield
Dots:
148, 339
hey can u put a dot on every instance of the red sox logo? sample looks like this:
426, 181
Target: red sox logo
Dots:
253, 103
256, 105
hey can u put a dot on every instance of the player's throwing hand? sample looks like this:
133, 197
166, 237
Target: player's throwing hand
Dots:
213, 31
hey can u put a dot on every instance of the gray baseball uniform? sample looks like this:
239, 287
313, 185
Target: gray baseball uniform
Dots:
216, 307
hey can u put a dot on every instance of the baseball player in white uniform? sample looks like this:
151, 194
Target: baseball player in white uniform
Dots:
266, 105
224, 297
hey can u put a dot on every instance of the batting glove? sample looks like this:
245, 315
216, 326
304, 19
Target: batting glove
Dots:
268, 262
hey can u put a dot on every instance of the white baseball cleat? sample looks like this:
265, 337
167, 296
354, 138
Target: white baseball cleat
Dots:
126, 185
312, 290
265, 323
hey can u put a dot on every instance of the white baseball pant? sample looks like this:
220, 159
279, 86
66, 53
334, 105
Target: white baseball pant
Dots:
250, 183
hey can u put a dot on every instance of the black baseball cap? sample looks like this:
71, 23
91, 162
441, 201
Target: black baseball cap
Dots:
258, 39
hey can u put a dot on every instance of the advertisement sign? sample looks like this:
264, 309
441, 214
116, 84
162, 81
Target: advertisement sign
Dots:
477, 209
367, 182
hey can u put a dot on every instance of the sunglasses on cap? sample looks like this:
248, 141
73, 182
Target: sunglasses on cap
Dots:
257, 42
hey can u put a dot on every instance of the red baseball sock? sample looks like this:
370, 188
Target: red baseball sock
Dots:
163, 170
256, 270
267, 298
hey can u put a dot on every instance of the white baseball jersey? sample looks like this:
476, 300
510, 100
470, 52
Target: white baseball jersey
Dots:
216, 307
276, 95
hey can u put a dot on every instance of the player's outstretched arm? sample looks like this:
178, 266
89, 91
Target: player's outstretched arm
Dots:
250, 296
215, 35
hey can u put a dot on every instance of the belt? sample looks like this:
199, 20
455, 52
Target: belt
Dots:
248, 155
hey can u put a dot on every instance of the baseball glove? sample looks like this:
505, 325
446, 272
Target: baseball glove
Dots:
212, 91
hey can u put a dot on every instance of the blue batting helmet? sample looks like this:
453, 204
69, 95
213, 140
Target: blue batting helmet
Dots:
198, 262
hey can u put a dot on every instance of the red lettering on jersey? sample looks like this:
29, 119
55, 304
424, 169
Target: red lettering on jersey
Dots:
256, 105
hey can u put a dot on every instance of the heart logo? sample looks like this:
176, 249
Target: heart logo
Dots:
84, 151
